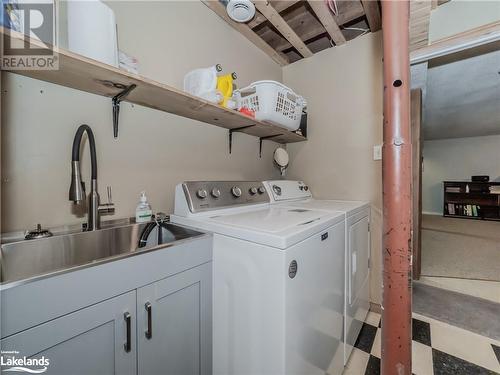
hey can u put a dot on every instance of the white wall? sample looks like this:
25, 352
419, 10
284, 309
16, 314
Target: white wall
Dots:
155, 150
344, 90
456, 159
457, 16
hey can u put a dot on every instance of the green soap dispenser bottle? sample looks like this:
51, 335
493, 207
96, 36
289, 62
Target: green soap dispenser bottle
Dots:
143, 212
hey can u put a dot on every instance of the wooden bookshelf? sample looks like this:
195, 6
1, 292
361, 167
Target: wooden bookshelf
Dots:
471, 200
82, 73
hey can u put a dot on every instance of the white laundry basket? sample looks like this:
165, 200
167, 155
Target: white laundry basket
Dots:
272, 102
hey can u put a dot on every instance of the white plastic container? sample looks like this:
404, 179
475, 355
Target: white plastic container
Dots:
143, 212
203, 83
92, 31
272, 102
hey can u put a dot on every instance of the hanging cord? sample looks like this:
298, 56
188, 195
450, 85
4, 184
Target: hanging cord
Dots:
363, 32
332, 4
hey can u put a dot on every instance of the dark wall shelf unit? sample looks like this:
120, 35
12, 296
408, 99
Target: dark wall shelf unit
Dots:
471, 200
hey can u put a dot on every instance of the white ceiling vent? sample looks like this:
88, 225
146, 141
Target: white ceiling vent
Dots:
240, 10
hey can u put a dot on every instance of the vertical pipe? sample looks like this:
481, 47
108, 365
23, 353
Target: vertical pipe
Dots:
396, 170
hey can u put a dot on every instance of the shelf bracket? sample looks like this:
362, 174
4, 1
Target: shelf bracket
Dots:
264, 138
116, 106
231, 131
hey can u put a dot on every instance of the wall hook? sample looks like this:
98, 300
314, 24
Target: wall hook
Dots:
116, 106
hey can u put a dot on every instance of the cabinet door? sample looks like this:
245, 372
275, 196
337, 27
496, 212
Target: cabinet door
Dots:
88, 341
174, 324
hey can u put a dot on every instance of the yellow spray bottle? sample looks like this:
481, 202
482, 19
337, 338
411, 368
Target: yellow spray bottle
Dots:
225, 87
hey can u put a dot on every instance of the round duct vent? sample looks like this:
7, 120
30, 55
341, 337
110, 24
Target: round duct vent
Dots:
240, 10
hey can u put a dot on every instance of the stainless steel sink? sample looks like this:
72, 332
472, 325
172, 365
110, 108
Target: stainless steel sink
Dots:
29, 259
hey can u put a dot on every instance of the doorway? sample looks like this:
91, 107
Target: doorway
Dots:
456, 185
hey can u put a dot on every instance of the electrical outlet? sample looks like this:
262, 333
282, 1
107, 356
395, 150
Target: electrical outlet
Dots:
377, 152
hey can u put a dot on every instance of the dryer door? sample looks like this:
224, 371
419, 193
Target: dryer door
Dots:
357, 278
358, 258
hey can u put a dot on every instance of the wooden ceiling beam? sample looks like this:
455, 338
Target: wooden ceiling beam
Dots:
279, 5
280, 24
348, 11
246, 31
326, 18
303, 22
420, 15
372, 13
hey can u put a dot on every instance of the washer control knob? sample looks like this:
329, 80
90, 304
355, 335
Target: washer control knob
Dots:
306, 188
236, 191
277, 189
215, 193
202, 193
261, 189
301, 187
252, 190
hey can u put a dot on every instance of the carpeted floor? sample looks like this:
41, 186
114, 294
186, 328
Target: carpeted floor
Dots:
474, 314
460, 248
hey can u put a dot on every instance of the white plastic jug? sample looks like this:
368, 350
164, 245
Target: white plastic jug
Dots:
203, 83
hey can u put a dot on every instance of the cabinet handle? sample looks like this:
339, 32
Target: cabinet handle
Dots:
128, 321
149, 331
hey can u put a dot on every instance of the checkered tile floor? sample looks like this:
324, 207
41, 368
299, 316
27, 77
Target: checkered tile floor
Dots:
438, 349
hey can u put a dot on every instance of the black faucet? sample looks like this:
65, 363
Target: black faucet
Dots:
77, 188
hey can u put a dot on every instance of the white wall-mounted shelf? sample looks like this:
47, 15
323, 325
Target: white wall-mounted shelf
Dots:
81, 73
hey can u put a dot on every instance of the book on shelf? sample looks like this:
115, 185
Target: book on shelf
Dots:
472, 199
472, 210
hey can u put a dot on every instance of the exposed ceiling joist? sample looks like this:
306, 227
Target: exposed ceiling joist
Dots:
420, 15
279, 5
280, 24
325, 16
244, 29
349, 10
304, 23
372, 12
288, 30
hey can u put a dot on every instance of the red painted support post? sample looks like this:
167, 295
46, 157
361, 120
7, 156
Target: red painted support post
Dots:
396, 169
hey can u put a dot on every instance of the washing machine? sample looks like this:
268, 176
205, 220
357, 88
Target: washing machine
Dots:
278, 290
357, 248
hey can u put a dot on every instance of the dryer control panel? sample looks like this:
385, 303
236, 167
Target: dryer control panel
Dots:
287, 190
212, 195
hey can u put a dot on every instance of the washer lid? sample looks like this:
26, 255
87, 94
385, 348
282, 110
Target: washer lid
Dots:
272, 219
274, 226
348, 207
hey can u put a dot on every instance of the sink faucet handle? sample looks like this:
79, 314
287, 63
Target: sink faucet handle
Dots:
107, 208
110, 198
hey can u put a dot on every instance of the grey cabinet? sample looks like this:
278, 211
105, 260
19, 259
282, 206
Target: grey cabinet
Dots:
92, 338
174, 318
89, 341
